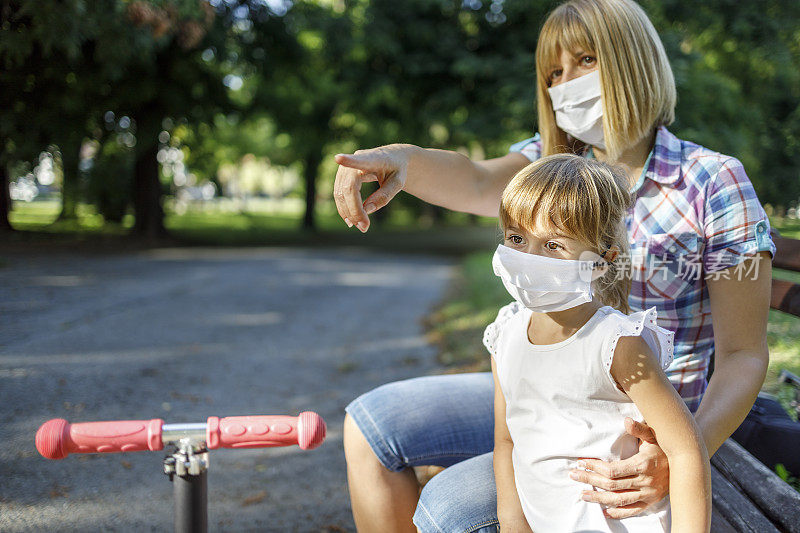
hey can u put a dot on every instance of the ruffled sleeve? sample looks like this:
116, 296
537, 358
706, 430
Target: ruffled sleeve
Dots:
660, 340
492, 332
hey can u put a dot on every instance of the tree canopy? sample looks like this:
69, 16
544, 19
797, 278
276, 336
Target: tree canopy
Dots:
296, 81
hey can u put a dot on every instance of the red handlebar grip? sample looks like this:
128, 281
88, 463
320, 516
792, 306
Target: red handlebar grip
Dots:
58, 438
311, 430
307, 430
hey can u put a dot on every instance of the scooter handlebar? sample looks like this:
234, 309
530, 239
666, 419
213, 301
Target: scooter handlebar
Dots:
58, 438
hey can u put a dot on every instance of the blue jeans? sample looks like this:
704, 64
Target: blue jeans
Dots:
438, 420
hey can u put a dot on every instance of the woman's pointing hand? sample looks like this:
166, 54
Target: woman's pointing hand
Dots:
386, 164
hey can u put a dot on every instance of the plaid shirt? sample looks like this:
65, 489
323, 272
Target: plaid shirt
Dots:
694, 214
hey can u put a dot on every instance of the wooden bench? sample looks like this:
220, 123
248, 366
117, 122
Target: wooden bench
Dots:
748, 496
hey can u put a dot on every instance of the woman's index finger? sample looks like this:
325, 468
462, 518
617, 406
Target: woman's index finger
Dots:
365, 161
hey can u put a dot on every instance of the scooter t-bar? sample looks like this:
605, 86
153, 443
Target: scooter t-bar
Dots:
187, 465
58, 438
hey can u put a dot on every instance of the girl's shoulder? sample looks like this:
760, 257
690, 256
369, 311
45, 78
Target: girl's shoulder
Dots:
641, 323
492, 332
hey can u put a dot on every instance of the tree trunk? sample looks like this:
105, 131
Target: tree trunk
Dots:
5, 199
70, 186
312, 163
146, 183
147, 191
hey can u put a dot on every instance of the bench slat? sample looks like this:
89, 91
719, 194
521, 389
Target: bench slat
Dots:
719, 524
787, 253
785, 297
739, 512
776, 499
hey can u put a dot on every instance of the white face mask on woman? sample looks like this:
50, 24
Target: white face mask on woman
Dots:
541, 283
578, 105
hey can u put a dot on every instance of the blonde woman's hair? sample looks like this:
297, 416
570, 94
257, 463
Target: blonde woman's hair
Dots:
582, 198
636, 79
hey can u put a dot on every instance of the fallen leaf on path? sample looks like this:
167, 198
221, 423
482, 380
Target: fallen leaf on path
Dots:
258, 497
59, 491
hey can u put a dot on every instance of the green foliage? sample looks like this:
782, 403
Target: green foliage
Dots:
297, 82
444, 74
787, 476
737, 66
67, 63
226, 139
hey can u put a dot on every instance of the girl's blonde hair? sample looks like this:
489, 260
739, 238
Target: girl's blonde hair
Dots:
582, 198
636, 80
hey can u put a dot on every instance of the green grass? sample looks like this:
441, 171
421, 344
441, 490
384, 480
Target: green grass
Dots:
787, 227
457, 324
396, 229
41, 216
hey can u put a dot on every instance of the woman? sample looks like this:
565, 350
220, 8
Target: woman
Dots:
700, 249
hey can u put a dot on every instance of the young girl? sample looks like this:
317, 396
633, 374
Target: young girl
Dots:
570, 364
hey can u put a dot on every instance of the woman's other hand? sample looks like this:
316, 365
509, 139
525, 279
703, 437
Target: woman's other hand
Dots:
386, 164
632, 484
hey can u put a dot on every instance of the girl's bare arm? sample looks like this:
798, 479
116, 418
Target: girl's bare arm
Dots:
509, 509
636, 370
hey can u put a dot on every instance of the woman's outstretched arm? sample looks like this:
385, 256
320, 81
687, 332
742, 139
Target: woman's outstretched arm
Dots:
440, 177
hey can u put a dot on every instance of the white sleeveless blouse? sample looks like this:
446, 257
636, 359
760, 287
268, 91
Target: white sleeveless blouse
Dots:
562, 404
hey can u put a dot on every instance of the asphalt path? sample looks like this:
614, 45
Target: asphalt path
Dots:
186, 333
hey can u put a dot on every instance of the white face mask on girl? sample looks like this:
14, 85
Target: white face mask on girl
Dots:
578, 105
541, 283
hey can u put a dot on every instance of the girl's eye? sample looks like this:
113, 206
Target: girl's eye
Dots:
552, 248
555, 74
516, 239
588, 60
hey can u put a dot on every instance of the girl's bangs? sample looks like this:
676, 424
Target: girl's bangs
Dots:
542, 208
554, 205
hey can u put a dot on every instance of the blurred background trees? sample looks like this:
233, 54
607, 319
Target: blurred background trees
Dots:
128, 108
